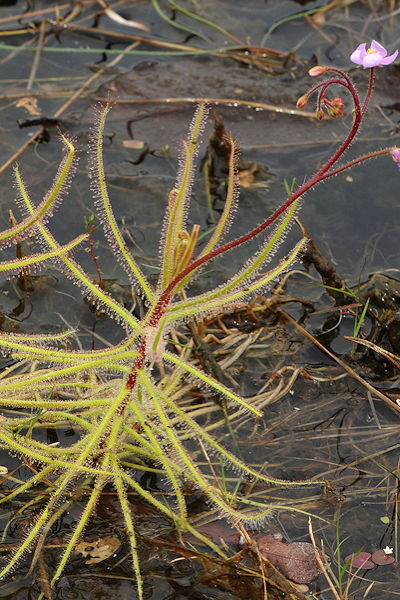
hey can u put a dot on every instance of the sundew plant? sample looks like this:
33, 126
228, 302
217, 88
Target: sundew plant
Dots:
128, 419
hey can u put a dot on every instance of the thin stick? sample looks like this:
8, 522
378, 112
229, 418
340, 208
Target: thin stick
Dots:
226, 101
321, 562
44, 11
38, 54
371, 403
340, 362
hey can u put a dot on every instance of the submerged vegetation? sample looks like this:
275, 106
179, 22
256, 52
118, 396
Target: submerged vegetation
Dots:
122, 398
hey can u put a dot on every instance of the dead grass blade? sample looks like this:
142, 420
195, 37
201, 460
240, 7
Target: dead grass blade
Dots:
233, 102
114, 16
393, 358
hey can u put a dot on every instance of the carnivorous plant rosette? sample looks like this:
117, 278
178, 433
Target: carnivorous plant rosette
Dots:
129, 421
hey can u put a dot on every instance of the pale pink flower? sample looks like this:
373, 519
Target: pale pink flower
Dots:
395, 153
374, 56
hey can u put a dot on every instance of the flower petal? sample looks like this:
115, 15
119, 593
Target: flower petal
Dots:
372, 60
387, 60
395, 153
378, 48
358, 54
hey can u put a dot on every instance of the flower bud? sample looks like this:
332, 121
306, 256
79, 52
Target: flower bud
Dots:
302, 101
335, 107
317, 71
319, 114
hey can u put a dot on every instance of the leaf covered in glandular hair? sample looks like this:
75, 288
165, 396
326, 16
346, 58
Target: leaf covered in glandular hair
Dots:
296, 560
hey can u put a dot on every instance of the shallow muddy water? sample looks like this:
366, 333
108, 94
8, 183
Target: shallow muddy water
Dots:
323, 425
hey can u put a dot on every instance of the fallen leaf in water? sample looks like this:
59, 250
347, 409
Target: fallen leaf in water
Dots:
379, 557
30, 105
360, 561
296, 560
99, 550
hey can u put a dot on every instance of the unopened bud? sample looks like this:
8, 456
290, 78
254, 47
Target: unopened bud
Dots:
302, 101
335, 107
319, 114
317, 71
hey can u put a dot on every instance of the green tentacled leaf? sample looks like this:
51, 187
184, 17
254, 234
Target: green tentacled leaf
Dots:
105, 210
218, 387
178, 200
34, 259
233, 296
44, 209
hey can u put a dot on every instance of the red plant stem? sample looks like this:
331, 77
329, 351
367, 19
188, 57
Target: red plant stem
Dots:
356, 161
322, 94
345, 79
350, 83
132, 377
324, 86
369, 91
90, 229
355, 127
341, 73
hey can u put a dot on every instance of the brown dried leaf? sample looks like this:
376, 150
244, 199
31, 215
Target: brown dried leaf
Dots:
295, 560
30, 105
99, 550
246, 178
